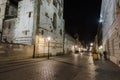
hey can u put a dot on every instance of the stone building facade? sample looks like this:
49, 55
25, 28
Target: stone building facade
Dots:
29, 26
110, 15
70, 43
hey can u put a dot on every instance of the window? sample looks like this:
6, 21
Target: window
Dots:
42, 32
55, 3
60, 12
54, 21
61, 32
29, 14
11, 9
25, 32
46, 14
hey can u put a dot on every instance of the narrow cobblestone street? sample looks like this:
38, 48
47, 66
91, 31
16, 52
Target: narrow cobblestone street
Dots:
69, 67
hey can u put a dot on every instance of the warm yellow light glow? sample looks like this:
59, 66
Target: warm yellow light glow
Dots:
100, 47
76, 46
91, 44
49, 38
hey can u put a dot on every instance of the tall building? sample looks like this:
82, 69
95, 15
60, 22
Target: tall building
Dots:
110, 16
31, 22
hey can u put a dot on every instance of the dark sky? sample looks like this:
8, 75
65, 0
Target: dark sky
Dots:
82, 16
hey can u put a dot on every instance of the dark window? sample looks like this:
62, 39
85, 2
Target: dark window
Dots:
54, 21
29, 14
42, 32
11, 10
61, 32
55, 3
60, 12
25, 32
51, 30
46, 14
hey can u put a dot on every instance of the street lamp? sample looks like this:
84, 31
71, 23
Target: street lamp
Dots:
91, 44
49, 38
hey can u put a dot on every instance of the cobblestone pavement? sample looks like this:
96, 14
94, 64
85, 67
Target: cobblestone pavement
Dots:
72, 67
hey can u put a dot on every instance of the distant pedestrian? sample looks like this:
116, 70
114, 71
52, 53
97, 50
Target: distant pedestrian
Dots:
101, 55
105, 55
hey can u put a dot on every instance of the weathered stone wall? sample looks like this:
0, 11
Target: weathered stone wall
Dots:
107, 15
51, 25
69, 44
15, 51
114, 41
111, 29
8, 30
2, 12
24, 23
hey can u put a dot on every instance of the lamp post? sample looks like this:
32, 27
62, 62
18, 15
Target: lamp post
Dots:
49, 38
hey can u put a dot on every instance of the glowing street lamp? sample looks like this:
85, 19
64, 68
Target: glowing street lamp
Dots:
91, 44
49, 38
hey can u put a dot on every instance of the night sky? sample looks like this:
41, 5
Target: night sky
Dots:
82, 16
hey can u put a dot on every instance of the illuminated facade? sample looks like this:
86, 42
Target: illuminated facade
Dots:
110, 16
69, 44
32, 24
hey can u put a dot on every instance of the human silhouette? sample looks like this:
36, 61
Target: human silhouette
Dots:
105, 55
